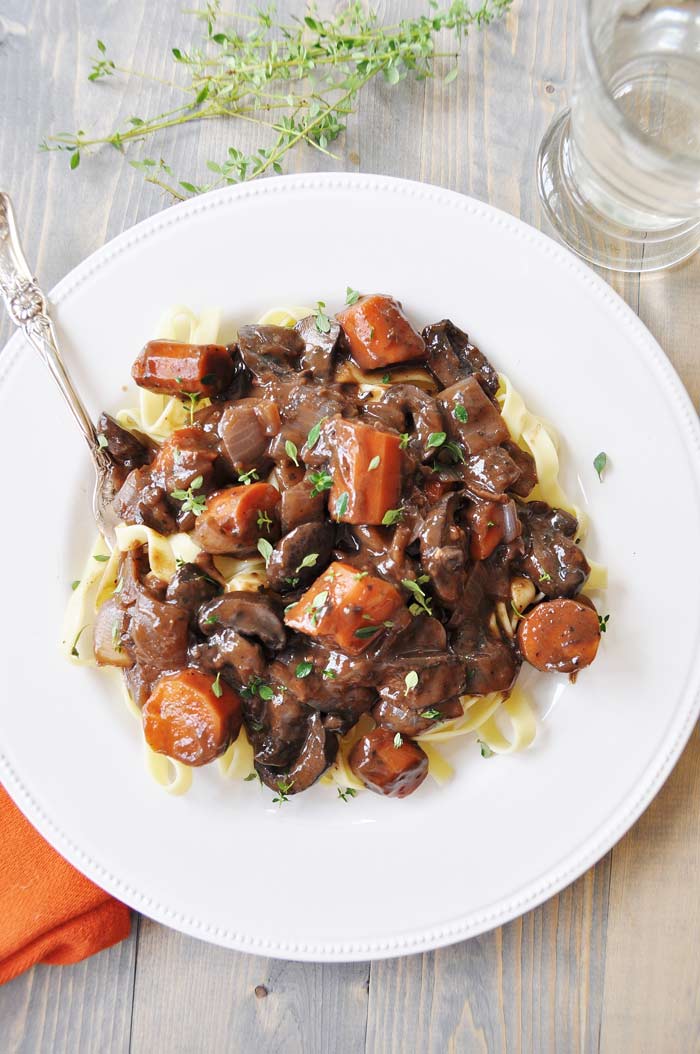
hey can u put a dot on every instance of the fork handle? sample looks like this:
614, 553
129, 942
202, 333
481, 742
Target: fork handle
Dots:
26, 306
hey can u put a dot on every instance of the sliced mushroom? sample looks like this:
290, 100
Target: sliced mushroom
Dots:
318, 751
300, 556
247, 613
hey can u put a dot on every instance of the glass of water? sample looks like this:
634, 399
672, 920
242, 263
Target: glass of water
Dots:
619, 173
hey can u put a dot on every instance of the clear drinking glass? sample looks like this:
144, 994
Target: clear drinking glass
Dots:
619, 173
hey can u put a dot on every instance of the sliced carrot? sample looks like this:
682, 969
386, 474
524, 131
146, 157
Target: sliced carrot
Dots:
345, 607
191, 717
560, 636
379, 334
389, 764
176, 369
367, 469
486, 522
236, 518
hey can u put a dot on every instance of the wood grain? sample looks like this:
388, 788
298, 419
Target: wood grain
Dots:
71, 1009
611, 962
219, 1000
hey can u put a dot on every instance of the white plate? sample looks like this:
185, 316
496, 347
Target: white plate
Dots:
319, 879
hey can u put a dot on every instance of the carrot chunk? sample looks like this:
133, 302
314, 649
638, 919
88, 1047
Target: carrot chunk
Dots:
486, 522
379, 334
560, 636
236, 518
346, 608
389, 764
191, 717
367, 470
175, 369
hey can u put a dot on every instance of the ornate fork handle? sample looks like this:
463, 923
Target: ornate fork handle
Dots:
26, 305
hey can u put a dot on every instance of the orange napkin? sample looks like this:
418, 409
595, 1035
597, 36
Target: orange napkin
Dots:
49, 912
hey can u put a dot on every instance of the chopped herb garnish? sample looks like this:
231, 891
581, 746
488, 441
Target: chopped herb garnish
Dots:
293, 582
263, 521
314, 433
349, 792
485, 749
360, 575
431, 713
329, 675
283, 789
404, 440
545, 577
303, 669
292, 452
321, 481
323, 323
252, 776
74, 585
518, 614
351, 296
191, 502
102, 441
74, 648
599, 463
216, 686
398, 740
116, 636
603, 623
101, 559
460, 413
265, 692
386, 378
247, 477
179, 562
422, 579
308, 561
455, 451
411, 681
371, 332
422, 602
392, 516
367, 631
374, 463
436, 439
211, 620
265, 550
490, 523
316, 604
194, 398
341, 506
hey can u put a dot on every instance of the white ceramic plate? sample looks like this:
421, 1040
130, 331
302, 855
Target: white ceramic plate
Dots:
319, 879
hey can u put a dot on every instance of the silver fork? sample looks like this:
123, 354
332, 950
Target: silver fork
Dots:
28, 310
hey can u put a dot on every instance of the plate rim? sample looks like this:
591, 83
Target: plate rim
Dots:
623, 816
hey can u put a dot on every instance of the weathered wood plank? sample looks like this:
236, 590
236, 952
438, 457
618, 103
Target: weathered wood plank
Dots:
190, 996
529, 986
71, 1009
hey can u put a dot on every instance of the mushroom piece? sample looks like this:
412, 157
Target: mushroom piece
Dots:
247, 613
443, 548
424, 413
319, 348
317, 752
300, 556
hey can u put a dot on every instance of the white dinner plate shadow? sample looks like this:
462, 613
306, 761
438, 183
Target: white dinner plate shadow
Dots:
320, 879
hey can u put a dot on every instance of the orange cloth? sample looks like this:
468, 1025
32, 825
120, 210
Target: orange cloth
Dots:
49, 912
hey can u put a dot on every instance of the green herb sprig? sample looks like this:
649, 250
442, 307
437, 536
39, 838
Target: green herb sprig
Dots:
297, 80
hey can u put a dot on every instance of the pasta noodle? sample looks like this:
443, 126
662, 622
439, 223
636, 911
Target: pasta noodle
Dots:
157, 416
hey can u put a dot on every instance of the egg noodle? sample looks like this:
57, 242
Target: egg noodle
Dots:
504, 723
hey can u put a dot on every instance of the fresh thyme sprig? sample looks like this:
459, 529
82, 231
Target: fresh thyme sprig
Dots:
298, 80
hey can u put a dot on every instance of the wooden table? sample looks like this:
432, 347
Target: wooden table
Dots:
612, 963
